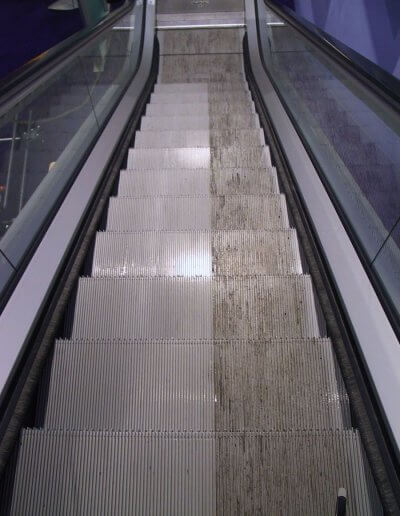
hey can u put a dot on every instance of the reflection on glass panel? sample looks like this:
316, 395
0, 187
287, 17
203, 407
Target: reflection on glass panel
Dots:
353, 136
36, 135
386, 265
45, 137
109, 62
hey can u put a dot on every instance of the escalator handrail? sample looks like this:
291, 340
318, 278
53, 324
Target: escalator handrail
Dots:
34, 72
384, 84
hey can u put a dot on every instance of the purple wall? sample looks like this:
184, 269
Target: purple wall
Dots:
371, 27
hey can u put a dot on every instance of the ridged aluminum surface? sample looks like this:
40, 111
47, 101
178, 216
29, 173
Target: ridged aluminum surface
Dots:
199, 138
175, 123
293, 474
198, 308
203, 41
169, 158
200, 253
201, 87
191, 213
132, 386
125, 473
200, 97
114, 474
180, 385
201, 68
216, 109
164, 182
181, 182
204, 121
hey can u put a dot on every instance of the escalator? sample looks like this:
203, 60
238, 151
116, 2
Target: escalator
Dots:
195, 368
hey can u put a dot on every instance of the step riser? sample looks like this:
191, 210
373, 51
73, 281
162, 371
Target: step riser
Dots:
228, 386
194, 308
197, 213
235, 253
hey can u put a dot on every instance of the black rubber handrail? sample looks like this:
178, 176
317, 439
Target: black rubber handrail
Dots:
376, 78
32, 71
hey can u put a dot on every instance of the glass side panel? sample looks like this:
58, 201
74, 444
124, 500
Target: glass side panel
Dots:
45, 137
354, 138
352, 134
386, 266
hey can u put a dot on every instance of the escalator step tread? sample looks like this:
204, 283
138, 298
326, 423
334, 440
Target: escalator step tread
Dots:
195, 385
197, 253
124, 473
197, 212
224, 181
201, 87
198, 308
203, 121
215, 109
199, 138
187, 157
200, 97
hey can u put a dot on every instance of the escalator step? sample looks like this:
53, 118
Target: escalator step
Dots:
234, 157
225, 181
195, 385
201, 41
201, 87
195, 213
201, 97
216, 109
193, 308
204, 121
126, 473
199, 253
174, 182
199, 68
203, 138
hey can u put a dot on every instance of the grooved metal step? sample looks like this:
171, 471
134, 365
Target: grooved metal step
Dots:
195, 385
197, 68
200, 157
203, 41
198, 253
201, 87
200, 212
169, 158
216, 109
126, 473
199, 138
201, 97
195, 308
224, 181
195, 122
